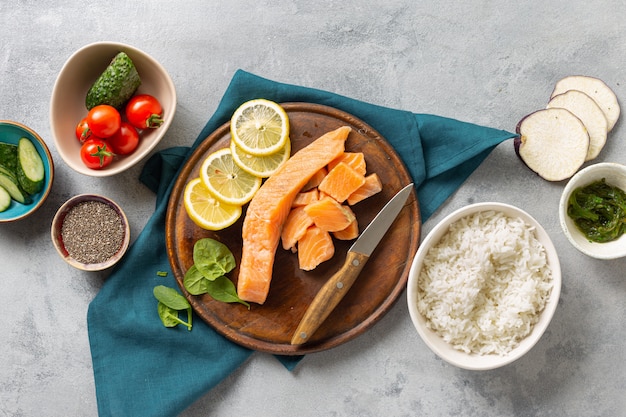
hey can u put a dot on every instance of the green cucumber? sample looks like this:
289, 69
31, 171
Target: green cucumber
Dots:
5, 199
9, 182
8, 156
115, 85
30, 170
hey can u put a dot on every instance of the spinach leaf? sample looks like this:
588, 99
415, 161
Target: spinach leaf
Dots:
220, 289
195, 282
170, 297
223, 289
168, 316
212, 258
170, 304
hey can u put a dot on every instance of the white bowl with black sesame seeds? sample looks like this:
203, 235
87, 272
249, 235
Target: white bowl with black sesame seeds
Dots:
90, 232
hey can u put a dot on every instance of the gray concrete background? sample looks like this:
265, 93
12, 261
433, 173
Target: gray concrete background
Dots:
485, 62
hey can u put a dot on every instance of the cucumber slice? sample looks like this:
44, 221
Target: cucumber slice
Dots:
30, 170
5, 199
9, 182
115, 85
8, 156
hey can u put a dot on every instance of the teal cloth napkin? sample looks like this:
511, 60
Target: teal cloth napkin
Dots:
144, 369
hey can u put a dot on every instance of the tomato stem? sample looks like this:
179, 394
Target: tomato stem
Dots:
154, 121
102, 153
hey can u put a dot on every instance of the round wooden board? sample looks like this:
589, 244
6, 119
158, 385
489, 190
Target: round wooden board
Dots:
269, 327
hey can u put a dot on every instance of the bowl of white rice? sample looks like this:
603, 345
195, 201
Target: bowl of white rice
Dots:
484, 285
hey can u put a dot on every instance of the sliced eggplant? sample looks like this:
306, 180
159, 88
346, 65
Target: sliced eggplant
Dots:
552, 142
586, 109
594, 88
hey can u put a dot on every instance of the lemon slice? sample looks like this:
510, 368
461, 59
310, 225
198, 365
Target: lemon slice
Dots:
260, 166
205, 210
260, 127
226, 180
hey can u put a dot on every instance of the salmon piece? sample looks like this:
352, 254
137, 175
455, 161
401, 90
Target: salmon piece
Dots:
355, 159
298, 221
268, 210
349, 233
329, 215
315, 247
316, 179
341, 181
371, 186
305, 197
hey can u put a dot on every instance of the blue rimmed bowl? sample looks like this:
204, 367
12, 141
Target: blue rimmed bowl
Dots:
11, 132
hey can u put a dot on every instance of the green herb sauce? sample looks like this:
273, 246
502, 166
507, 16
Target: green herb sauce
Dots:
599, 211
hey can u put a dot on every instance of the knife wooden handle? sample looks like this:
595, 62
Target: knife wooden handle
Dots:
329, 296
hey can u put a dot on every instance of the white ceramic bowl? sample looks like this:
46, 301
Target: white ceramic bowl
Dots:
615, 175
435, 342
67, 105
57, 236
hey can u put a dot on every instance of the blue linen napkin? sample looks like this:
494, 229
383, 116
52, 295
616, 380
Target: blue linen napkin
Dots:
144, 369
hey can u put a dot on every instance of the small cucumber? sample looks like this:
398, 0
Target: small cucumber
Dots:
30, 170
5, 199
8, 156
115, 85
9, 182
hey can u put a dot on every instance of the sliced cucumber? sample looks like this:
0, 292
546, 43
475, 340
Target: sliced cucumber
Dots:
5, 199
115, 85
30, 170
8, 156
9, 182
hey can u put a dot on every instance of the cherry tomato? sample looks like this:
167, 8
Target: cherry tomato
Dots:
125, 140
83, 132
144, 112
104, 120
96, 154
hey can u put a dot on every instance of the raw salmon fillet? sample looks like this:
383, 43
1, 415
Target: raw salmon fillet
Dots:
371, 186
298, 221
355, 159
329, 215
315, 247
269, 208
315, 180
349, 233
305, 197
341, 181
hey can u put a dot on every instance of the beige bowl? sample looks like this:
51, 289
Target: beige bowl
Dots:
615, 175
67, 105
62, 247
434, 341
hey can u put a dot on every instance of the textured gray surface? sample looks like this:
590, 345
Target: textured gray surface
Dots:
483, 61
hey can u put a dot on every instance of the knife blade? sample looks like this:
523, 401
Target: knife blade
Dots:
333, 291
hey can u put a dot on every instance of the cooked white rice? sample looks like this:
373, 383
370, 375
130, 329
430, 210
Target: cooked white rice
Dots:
484, 284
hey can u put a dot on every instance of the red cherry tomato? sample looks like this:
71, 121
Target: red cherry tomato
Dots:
104, 120
144, 112
82, 130
125, 140
96, 154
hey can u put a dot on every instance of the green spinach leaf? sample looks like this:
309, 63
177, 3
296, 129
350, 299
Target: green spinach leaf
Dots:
170, 304
223, 289
195, 282
212, 258
170, 297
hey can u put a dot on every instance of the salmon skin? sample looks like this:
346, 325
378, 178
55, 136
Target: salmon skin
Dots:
269, 208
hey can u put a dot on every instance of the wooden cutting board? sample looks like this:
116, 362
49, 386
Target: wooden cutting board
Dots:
269, 327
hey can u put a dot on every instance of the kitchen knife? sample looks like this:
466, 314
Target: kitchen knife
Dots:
338, 285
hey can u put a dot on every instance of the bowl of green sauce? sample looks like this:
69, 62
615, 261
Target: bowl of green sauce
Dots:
592, 211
